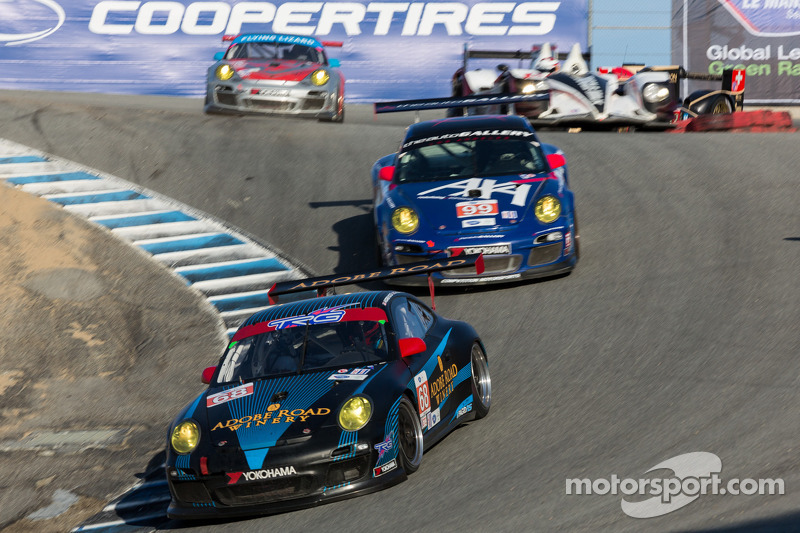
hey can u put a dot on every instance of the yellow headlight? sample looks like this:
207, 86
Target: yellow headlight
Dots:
185, 437
225, 72
320, 77
547, 209
405, 220
355, 413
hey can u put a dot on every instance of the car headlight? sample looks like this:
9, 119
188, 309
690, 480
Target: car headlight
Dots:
185, 437
405, 220
225, 72
355, 413
652, 92
320, 77
533, 87
547, 209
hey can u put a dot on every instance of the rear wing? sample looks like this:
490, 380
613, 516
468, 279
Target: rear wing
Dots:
472, 100
321, 284
513, 54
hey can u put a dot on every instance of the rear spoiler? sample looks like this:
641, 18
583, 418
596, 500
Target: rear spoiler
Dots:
321, 284
472, 100
513, 54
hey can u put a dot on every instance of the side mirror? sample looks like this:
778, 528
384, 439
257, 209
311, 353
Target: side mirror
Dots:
208, 373
218, 56
556, 161
335, 63
386, 173
502, 67
412, 346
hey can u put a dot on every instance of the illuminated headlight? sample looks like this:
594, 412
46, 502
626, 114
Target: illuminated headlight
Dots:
320, 77
653, 93
530, 88
547, 209
225, 72
185, 437
405, 220
355, 413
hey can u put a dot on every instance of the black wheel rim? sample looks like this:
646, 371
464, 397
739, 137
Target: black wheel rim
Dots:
409, 436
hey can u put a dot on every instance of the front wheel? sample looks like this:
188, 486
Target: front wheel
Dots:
481, 382
409, 437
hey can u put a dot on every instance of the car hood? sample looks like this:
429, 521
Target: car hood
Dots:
260, 414
273, 70
441, 204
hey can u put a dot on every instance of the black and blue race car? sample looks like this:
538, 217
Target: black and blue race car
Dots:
475, 184
325, 398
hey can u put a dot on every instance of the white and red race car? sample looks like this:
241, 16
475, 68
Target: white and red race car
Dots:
269, 73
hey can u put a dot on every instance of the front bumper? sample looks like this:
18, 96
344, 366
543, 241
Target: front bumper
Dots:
312, 102
529, 259
313, 480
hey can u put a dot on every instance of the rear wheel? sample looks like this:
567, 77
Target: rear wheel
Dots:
576, 236
409, 437
720, 105
481, 382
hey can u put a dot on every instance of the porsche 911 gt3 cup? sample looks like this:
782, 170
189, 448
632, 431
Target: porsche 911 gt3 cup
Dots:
267, 73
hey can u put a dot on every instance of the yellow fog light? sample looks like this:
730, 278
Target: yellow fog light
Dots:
355, 413
547, 209
405, 220
185, 437
225, 72
320, 77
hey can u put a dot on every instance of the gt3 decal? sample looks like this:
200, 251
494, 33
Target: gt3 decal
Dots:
228, 395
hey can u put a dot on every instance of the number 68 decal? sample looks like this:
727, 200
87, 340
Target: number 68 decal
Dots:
230, 394
477, 208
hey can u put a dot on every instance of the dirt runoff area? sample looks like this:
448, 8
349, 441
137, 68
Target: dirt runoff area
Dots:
100, 347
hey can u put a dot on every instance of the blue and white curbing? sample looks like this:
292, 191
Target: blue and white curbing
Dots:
232, 270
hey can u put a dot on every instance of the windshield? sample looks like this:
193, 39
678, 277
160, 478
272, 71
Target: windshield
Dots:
305, 348
467, 159
268, 51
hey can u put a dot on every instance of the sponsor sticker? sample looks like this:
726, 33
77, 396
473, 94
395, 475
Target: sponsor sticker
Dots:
388, 467
434, 417
512, 215
258, 475
478, 222
489, 249
423, 397
476, 208
273, 92
464, 410
228, 395
384, 446
357, 374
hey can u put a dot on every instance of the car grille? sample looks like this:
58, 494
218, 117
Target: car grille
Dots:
347, 471
226, 98
493, 264
265, 491
273, 105
191, 492
544, 254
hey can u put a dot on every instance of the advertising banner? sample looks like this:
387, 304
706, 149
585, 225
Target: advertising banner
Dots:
760, 36
392, 49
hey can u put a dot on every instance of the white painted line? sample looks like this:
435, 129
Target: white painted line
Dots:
167, 229
174, 238
226, 285
28, 169
125, 207
49, 189
87, 193
209, 255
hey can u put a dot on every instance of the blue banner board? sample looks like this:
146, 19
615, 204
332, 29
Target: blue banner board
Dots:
391, 50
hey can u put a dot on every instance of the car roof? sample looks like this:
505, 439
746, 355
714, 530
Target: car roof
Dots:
478, 123
361, 300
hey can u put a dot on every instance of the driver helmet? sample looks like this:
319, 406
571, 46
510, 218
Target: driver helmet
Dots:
547, 64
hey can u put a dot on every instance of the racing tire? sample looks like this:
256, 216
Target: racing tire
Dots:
577, 236
720, 105
337, 118
409, 437
481, 382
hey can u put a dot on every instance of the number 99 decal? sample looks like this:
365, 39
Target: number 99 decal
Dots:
477, 208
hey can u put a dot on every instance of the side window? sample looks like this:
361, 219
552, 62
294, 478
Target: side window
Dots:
407, 322
424, 315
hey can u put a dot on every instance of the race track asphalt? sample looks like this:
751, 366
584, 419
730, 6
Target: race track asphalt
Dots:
677, 332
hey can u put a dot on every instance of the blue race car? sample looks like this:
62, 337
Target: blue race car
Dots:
478, 185
325, 398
